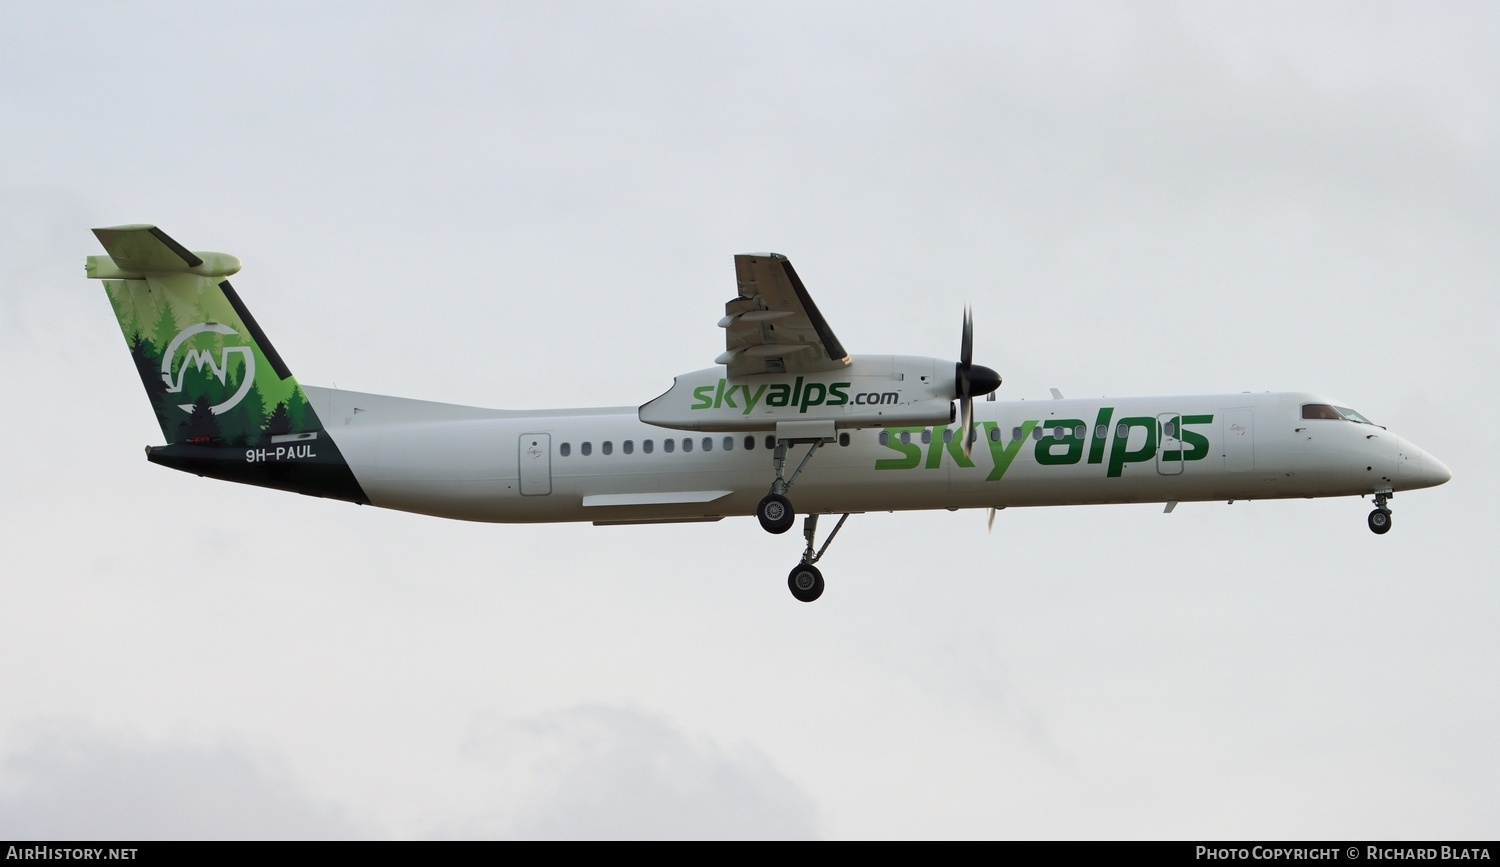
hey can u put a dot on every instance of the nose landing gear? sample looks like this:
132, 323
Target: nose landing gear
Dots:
1380, 519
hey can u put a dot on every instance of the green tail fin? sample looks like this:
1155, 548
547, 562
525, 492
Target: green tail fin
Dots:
209, 371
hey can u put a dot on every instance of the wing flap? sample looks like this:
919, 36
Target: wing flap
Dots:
773, 326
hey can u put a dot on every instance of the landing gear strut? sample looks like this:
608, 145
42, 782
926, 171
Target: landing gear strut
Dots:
1380, 519
805, 581
775, 510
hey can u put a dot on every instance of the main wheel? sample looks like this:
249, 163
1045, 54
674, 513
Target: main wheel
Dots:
775, 514
1380, 522
805, 582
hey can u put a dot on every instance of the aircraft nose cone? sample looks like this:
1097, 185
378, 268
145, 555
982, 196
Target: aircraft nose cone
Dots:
1419, 469
1434, 471
982, 380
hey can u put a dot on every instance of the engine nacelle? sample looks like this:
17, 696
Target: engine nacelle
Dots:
873, 391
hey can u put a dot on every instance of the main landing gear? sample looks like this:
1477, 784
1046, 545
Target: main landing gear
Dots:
777, 516
1380, 519
805, 581
775, 510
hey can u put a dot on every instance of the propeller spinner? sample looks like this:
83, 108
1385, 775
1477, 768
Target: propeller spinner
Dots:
971, 380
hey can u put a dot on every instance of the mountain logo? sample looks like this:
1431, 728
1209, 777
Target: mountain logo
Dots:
200, 359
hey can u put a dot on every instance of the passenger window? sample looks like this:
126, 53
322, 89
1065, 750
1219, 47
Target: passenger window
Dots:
728, 444
607, 447
947, 435
1320, 410
770, 441
1081, 432
708, 444
905, 437
995, 434
585, 449
647, 446
668, 445
843, 439
1016, 433
1170, 429
1037, 433
1123, 431
564, 449
926, 436
885, 438
629, 446
687, 444
749, 442
1101, 431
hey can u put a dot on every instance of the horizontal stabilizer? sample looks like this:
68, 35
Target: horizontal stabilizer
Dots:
143, 249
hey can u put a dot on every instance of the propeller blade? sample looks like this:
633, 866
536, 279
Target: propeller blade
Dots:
966, 348
991, 527
966, 425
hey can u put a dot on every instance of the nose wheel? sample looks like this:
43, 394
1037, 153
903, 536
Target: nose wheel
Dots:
1380, 519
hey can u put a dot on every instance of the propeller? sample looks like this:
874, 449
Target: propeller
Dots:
971, 381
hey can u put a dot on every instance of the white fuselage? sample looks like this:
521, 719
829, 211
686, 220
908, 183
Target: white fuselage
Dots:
554, 465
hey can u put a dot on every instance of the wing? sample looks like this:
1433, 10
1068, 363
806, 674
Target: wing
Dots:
773, 326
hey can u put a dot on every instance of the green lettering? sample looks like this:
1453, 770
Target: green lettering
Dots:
807, 395
955, 449
704, 400
912, 453
836, 396
1072, 445
1168, 453
719, 395
796, 391
752, 400
1198, 441
1004, 456
1119, 453
1097, 444
780, 395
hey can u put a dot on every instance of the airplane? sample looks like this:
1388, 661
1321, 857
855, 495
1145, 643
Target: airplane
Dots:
866, 432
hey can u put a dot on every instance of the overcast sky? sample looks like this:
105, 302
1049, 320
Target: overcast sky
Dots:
532, 205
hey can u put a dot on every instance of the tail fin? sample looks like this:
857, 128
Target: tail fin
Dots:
227, 404
209, 371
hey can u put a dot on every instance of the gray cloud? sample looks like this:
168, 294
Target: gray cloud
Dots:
76, 784
598, 772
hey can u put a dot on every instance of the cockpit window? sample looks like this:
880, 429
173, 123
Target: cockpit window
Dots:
1338, 413
1320, 410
